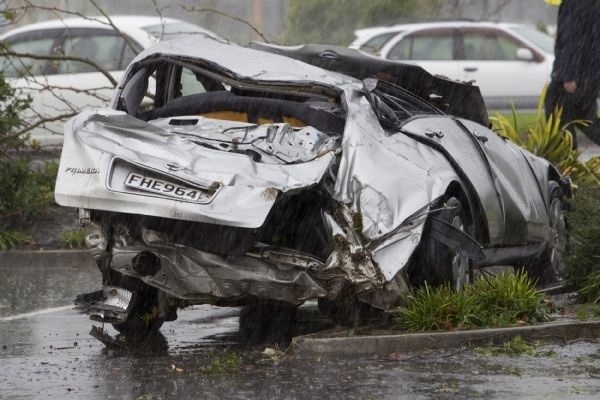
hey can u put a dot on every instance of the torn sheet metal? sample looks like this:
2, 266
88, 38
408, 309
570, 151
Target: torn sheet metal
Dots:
191, 274
246, 186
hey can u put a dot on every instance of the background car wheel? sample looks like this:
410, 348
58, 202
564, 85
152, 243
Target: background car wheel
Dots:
267, 321
435, 262
549, 266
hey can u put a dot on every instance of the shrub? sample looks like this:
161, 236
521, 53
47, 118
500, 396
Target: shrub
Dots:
436, 309
590, 288
583, 257
548, 139
10, 238
508, 299
505, 300
25, 188
74, 239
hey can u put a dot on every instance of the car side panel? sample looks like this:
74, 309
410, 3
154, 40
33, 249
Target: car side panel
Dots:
462, 149
522, 193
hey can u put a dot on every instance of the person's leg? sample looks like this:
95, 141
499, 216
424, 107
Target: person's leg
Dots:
553, 94
585, 108
558, 98
593, 130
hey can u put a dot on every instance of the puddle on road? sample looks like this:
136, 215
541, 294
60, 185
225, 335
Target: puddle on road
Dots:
25, 289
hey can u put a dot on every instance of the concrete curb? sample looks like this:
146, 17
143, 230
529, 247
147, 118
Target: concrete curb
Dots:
46, 258
313, 347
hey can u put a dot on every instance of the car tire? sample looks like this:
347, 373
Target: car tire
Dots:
549, 267
267, 321
143, 318
352, 312
437, 264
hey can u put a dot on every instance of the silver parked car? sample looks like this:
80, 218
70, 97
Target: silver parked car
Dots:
257, 179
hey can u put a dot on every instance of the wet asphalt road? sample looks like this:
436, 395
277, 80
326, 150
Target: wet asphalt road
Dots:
46, 352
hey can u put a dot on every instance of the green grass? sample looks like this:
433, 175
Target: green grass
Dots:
11, 238
74, 239
517, 346
550, 139
226, 362
505, 300
590, 290
583, 257
524, 120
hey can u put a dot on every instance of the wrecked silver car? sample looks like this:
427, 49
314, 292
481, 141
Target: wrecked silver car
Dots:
269, 176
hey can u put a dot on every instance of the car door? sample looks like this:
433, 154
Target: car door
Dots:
61, 88
81, 84
523, 198
461, 147
493, 60
432, 49
26, 74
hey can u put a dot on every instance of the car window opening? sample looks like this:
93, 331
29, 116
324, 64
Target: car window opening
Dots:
190, 92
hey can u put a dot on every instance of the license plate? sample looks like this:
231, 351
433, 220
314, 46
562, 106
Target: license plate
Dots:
164, 188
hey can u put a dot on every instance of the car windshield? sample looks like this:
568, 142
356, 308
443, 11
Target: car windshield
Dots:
540, 39
172, 30
374, 45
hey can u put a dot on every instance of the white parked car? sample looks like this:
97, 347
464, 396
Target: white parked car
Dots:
61, 87
509, 62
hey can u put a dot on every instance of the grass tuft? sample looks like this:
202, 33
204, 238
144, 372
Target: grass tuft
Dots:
590, 290
505, 300
550, 139
227, 362
508, 299
74, 239
10, 239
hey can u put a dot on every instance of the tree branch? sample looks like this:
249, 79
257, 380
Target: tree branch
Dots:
10, 53
224, 14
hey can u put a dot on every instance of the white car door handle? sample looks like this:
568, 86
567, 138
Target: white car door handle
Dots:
470, 69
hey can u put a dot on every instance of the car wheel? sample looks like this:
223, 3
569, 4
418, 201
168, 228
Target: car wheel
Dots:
352, 312
550, 266
435, 262
267, 321
143, 318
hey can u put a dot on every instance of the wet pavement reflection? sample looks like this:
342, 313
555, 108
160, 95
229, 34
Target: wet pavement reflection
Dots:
50, 354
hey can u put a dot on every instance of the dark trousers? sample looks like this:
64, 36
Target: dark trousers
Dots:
580, 105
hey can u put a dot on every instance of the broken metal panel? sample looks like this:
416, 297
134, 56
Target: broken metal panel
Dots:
109, 305
510, 163
459, 98
190, 274
394, 253
104, 148
387, 177
355, 263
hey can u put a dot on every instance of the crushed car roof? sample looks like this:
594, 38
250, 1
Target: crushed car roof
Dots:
328, 65
456, 98
264, 66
